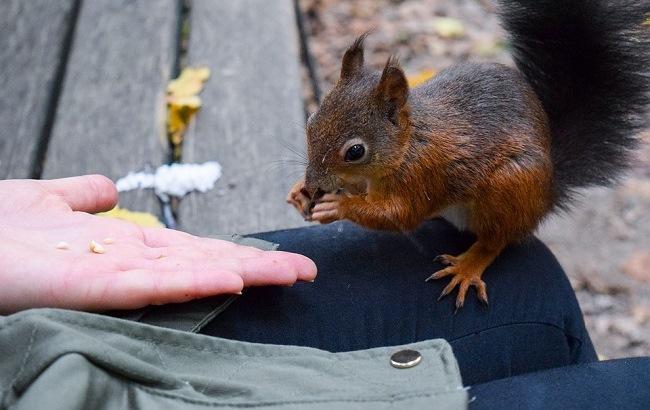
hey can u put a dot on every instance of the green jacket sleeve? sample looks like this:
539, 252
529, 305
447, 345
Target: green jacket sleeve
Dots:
59, 359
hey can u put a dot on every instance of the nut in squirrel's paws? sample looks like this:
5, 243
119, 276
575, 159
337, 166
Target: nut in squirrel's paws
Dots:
323, 208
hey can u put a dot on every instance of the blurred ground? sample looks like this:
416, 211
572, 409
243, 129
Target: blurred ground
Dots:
604, 244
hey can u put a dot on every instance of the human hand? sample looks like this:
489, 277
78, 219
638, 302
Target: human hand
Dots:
142, 266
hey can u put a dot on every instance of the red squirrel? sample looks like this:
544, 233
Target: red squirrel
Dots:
492, 148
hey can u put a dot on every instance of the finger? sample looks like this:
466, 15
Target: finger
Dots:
446, 259
256, 267
141, 287
168, 242
450, 286
325, 217
306, 269
298, 204
200, 251
277, 268
462, 291
160, 237
88, 193
324, 206
266, 268
482, 291
296, 196
441, 273
330, 198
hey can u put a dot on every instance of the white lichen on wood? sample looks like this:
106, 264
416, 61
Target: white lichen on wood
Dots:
173, 180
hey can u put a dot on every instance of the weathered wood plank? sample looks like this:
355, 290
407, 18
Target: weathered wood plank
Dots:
32, 43
110, 118
252, 108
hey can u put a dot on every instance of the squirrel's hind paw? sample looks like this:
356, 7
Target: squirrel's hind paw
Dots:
463, 279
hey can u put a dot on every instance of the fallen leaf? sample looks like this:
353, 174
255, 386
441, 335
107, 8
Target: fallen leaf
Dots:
638, 266
143, 219
183, 103
189, 82
180, 111
447, 27
421, 77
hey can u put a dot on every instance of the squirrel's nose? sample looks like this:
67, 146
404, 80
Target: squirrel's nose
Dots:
312, 185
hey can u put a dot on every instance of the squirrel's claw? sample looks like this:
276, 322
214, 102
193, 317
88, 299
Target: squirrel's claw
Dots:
446, 259
461, 278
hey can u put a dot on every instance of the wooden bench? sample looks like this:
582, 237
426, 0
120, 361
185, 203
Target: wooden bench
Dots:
83, 92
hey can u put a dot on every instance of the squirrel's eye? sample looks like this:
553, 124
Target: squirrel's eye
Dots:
354, 153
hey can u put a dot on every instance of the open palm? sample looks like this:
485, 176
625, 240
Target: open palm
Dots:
141, 266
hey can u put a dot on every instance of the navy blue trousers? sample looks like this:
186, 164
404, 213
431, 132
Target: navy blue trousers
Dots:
371, 292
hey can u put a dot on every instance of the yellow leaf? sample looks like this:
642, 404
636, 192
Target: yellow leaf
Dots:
189, 83
179, 114
183, 102
421, 77
447, 27
143, 219
647, 21
202, 73
192, 101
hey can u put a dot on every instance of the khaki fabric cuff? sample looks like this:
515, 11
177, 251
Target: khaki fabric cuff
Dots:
59, 359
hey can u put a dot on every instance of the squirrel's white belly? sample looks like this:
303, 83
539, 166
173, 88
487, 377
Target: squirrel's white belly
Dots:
457, 215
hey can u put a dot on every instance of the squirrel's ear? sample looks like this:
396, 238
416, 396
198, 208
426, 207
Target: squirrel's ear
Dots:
353, 58
393, 88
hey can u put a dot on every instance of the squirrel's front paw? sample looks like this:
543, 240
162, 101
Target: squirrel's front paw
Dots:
327, 209
299, 198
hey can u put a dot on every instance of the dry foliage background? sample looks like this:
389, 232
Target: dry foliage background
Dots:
604, 244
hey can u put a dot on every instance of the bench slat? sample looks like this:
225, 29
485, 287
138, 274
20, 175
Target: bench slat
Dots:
111, 114
32, 41
252, 105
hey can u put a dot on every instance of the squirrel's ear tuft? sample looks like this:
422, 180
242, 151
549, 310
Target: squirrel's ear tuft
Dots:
353, 58
393, 87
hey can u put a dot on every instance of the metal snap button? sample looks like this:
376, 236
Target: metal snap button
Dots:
405, 359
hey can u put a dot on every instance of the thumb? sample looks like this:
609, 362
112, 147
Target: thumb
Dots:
88, 193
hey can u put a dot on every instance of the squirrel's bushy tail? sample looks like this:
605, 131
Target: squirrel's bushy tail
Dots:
589, 62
